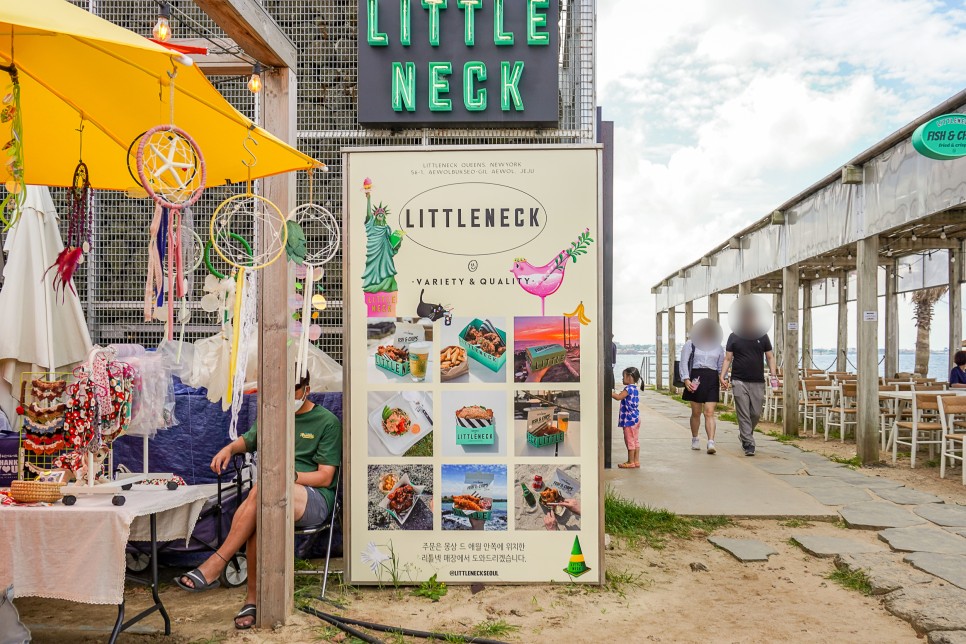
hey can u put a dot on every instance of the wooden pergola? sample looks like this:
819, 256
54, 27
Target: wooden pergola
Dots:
250, 26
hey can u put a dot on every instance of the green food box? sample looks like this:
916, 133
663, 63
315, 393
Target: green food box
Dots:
546, 440
480, 516
398, 368
546, 356
493, 363
475, 435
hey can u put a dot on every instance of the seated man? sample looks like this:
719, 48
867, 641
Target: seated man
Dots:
318, 454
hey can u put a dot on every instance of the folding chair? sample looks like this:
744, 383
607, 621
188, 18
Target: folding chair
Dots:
313, 532
813, 401
921, 403
843, 408
954, 434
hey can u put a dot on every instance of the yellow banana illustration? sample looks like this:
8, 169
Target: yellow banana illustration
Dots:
579, 314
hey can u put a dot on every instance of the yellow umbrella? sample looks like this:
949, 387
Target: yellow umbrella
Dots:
75, 67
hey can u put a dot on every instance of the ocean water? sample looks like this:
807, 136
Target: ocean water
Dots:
939, 364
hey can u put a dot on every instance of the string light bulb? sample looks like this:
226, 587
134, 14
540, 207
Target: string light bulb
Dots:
162, 28
942, 235
255, 82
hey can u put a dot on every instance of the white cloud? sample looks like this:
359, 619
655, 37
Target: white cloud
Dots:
724, 110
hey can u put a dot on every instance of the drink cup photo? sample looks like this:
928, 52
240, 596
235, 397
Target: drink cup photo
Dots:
418, 358
563, 419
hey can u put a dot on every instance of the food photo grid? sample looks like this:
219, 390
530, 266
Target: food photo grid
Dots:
400, 497
474, 423
399, 351
546, 349
473, 350
400, 423
546, 423
546, 497
474, 497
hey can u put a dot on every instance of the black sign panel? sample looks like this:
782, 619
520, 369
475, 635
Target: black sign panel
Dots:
447, 63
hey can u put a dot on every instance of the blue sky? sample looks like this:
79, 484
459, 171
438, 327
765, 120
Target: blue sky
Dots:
454, 478
723, 110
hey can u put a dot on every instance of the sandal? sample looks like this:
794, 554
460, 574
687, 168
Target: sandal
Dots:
199, 581
625, 466
636, 465
248, 610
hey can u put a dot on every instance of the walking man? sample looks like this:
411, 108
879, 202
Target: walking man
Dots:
745, 353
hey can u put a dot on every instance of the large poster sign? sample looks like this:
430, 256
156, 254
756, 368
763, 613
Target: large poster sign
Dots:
456, 62
473, 401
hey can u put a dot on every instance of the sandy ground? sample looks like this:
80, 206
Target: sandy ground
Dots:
528, 518
924, 478
787, 599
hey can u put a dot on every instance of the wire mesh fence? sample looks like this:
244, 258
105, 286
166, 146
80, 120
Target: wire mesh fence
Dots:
111, 283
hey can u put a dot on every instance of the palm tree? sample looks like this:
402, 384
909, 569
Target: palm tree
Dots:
923, 302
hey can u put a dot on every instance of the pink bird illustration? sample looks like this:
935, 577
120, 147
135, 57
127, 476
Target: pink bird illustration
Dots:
545, 280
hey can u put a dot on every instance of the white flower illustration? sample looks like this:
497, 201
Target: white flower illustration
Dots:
373, 557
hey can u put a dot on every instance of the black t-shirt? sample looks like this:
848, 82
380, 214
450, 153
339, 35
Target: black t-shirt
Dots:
748, 364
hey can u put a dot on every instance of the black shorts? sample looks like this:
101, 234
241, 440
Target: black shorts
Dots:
708, 388
316, 509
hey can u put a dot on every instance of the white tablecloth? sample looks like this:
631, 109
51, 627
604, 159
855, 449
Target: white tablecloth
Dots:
77, 552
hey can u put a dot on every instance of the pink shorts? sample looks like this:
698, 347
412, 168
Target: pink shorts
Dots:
632, 436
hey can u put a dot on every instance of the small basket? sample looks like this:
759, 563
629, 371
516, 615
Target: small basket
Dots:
35, 492
398, 368
546, 440
493, 363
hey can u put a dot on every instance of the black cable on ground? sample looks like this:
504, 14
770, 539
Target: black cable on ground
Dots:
334, 621
340, 621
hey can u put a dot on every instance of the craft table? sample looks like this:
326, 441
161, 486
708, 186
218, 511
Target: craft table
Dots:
77, 553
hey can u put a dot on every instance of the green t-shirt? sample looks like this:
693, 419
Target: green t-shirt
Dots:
318, 441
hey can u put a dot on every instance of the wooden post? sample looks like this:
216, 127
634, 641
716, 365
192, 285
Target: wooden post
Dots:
688, 318
744, 288
671, 353
807, 325
867, 427
779, 309
713, 308
955, 302
790, 384
842, 338
659, 353
891, 321
276, 423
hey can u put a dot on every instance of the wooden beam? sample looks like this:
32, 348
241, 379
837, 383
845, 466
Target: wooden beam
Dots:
932, 243
955, 302
790, 343
891, 322
659, 353
276, 424
867, 426
744, 288
671, 353
842, 337
713, 308
838, 262
807, 325
253, 29
217, 64
688, 318
778, 307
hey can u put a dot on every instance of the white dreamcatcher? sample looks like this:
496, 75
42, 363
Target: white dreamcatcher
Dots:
322, 241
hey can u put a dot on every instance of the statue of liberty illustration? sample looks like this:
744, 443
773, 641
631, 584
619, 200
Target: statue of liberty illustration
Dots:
382, 244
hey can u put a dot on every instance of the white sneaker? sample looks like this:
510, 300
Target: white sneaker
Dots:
711, 449
695, 443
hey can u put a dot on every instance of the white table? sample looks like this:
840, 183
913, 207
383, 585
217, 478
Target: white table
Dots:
77, 552
907, 395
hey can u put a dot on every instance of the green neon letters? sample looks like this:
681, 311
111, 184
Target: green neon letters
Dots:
501, 37
404, 87
474, 99
510, 75
537, 20
376, 38
434, 7
405, 23
475, 75
439, 85
469, 8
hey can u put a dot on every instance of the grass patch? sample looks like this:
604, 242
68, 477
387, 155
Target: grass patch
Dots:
853, 462
783, 438
729, 417
617, 581
431, 589
326, 633
493, 628
795, 523
853, 580
423, 447
637, 523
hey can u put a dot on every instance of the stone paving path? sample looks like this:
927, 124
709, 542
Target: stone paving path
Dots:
920, 571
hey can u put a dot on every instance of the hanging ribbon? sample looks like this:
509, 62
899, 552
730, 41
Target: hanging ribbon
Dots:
155, 281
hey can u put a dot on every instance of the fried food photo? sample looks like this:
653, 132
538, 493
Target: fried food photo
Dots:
475, 412
451, 357
402, 498
467, 503
393, 353
387, 482
551, 495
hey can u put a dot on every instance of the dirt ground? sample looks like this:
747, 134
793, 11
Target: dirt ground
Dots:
653, 596
924, 478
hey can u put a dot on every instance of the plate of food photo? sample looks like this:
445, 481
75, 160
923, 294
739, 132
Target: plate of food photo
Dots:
402, 421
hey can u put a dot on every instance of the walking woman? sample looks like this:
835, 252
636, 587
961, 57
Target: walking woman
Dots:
701, 361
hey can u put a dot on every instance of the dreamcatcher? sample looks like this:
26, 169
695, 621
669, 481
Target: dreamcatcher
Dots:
79, 226
236, 220
171, 169
16, 187
319, 237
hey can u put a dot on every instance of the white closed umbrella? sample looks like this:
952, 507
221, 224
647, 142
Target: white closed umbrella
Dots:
40, 330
